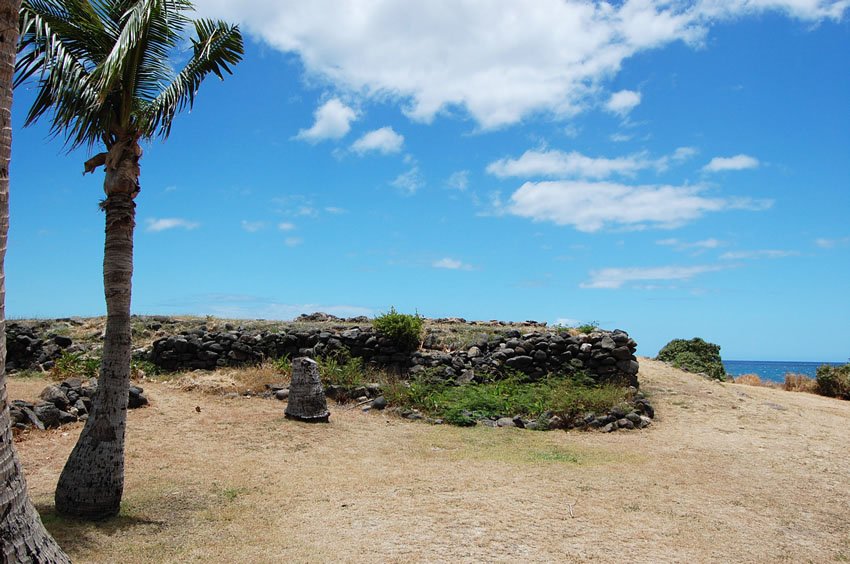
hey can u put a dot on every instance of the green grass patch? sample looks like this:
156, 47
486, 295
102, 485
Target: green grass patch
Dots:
342, 369
75, 365
555, 456
464, 405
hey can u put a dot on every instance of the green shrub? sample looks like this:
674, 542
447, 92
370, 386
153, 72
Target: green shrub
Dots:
834, 381
341, 369
141, 368
694, 355
403, 329
283, 365
588, 327
75, 365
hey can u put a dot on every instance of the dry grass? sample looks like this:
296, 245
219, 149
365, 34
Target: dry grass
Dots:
793, 383
800, 383
749, 380
716, 479
755, 380
243, 380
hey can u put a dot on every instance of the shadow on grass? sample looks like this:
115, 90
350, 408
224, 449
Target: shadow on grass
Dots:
75, 535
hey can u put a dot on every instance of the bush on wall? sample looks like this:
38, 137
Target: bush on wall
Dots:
403, 329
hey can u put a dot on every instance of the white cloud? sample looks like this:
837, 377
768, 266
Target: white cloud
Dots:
451, 264
590, 206
333, 210
619, 137
253, 226
613, 278
409, 182
332, 121
766, 253
558, 164
702, 245
566, 322
384, 140
623, 102
155, 225
293, 241
552, 163
832, 243
458, 180
738, 162
286, 226
809, 10
499, 60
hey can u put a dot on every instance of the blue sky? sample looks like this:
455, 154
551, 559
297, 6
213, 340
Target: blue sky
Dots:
671, 169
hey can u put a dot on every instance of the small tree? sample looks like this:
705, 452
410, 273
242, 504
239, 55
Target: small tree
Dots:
103, 76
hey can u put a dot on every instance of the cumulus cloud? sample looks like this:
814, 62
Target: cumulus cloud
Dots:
765, 253
558, 164
332, 121
499, 60
623, 102
451, 264
155, 225
552, 163
613, 278
286, 226
590, 206
293, 241
738, 162
384, 140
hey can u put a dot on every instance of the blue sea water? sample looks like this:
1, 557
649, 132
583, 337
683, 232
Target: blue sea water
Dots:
773, 370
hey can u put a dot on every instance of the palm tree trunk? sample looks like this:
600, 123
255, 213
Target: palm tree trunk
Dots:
92, 482
23, 537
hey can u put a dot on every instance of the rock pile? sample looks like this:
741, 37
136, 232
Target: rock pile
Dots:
603, 355
66, 402
28, 348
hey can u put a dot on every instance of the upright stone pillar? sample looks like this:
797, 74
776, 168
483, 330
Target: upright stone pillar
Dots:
306, 396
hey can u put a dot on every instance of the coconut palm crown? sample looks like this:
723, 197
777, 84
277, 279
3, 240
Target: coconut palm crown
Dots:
103, 76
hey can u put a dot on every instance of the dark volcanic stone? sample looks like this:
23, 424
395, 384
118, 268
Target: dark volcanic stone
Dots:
520, 363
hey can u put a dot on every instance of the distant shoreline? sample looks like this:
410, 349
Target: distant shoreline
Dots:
775, 370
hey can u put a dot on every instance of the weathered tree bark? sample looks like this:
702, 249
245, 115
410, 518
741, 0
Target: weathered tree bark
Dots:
23, 537
306, 396
92, 483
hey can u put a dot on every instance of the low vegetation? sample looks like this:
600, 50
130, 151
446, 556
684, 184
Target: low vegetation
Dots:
694, 355
831, 381
75, 365
464, 405
405, 330
584, 328
834, 381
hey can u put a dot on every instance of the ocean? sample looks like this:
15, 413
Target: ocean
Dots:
773, 370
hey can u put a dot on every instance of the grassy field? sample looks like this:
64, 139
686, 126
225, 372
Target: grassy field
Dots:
728, 473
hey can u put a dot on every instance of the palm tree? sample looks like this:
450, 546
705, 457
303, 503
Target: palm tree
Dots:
22, 535
104, 76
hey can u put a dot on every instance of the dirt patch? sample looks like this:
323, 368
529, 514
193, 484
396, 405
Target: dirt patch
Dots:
728, 473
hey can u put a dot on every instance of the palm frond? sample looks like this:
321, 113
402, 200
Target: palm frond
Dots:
218, 46
63, 85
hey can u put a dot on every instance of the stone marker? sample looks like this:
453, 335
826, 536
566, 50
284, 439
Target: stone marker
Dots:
306, 397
